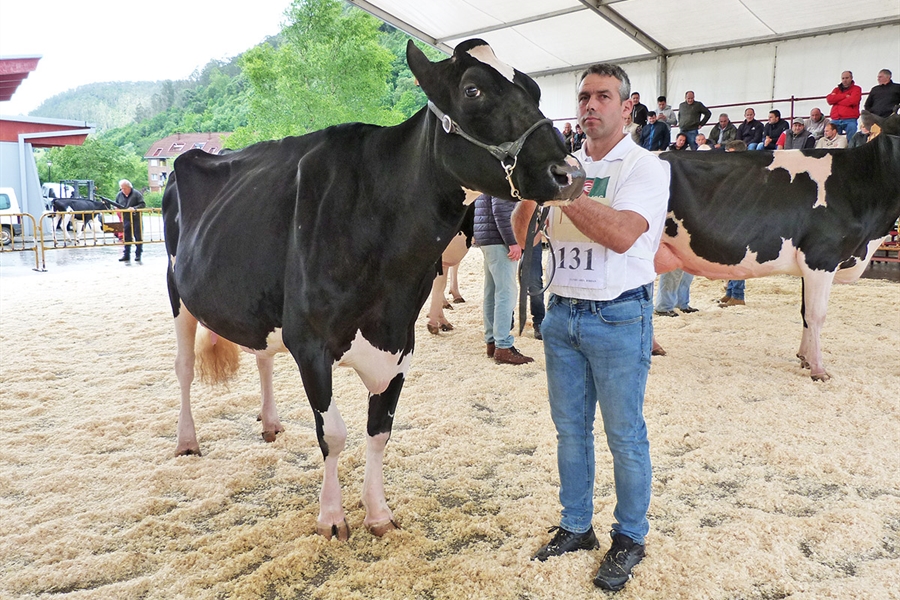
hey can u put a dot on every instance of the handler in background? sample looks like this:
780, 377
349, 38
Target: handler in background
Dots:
130, 199
598, 331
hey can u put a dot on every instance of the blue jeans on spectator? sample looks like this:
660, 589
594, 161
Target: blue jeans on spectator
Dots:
756, 146
674, 290
735, 289
599, 352
499, 295
536, 284
846, 127
691, 135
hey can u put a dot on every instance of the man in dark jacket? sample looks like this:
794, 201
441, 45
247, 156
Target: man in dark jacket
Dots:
655, 135
494, 236
751, 131
723, 131
638, 110
692, 115
131, 200
885, 97
773, 129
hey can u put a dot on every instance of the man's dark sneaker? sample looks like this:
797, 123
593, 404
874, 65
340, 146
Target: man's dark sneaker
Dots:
566, 541
511, 356
125, 259
137, 259
665, 313
620, 559
689, 309
537, 332
491, 349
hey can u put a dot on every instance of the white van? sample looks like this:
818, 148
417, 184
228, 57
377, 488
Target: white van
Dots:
10, 220
51, 191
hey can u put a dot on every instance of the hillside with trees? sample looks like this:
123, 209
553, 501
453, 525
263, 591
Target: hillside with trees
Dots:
332, 63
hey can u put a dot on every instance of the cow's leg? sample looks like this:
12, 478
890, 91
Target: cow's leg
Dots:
816, 290
55, 223
185, 332
315, 371
437, 322
379, 519
269, 413
453, 282
77, 229
65, 226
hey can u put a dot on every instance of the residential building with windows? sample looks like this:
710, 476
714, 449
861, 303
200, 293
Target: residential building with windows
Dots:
162, 153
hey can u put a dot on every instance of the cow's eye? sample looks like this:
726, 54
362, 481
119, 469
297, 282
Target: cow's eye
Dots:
472, 91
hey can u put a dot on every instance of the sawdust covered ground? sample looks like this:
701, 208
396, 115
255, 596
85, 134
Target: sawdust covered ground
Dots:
766, 484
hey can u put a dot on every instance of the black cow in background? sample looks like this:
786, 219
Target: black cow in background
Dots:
346, 225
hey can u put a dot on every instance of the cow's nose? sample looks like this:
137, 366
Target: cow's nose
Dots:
569, 177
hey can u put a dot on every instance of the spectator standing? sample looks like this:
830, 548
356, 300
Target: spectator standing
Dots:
751, 131
797, 138
884, 98
598, 329
815, 124
844, 101
692, 115
680, 144
674, 292
638, 110
665, 113
831, 139
722, 132
131, 200
494, 236
773, 129
655, 135
734, 289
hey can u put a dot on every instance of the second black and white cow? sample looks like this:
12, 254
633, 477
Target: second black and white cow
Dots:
81, 212
819, 214
325, 245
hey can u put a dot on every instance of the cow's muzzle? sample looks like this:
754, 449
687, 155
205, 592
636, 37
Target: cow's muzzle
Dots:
570, 178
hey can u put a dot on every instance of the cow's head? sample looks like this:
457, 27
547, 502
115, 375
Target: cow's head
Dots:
492, 136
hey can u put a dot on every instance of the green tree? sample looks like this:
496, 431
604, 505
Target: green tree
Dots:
101, 161
329, 68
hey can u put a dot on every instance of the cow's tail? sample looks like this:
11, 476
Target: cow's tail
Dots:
217, 359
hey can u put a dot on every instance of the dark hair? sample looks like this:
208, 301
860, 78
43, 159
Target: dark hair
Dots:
775, 112
611, 70
736, 145
651, 113
661, 99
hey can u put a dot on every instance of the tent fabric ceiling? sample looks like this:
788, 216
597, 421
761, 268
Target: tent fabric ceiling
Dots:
543, 37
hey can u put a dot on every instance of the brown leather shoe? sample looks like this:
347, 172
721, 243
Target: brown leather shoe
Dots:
732, 302
511, 356
490, 349
724, 298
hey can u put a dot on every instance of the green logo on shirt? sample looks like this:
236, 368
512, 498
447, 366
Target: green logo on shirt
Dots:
598, 187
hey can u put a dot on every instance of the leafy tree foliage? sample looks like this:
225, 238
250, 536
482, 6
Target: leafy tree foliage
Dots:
99, 160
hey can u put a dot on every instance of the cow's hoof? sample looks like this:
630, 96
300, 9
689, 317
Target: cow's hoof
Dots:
188, 452
382, 527
341, 531
446, 327
459, 300
823, 376
447, 306
804, 364
433, 329
271, 436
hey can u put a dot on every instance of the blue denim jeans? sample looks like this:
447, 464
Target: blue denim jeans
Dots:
735, 289
691, 135
535, 284
674, 290
500, 292
846, 127
599, 352
756, 146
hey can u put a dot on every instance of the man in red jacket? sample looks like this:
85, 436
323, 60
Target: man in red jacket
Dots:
844, 101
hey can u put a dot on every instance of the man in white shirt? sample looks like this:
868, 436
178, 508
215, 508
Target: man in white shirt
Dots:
598, 328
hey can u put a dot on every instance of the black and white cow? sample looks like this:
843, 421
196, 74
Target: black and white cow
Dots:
325, 245
819, 214
81, 212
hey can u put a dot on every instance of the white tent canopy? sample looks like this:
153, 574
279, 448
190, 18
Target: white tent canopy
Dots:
727, 51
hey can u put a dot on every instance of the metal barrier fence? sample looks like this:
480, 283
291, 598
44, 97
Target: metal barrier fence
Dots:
90, 229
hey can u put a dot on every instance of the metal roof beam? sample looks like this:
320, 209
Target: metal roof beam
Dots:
402, 25
525, 21
624, 25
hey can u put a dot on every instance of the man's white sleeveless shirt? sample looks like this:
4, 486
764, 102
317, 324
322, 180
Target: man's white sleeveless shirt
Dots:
627, 178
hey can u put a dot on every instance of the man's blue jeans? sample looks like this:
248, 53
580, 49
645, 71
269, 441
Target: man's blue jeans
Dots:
599, 352
674, 290
756, 146
846, 127
536, 284
735, 289
499, 295
691, 135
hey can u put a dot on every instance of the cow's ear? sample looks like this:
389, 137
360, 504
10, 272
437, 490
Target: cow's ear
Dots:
427, 73
529, 84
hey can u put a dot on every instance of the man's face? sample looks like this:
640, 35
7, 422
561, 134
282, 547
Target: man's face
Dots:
567, 128
772, 118
723, 121
689, 97
700, 139
635, 98
830, 132
883, 78
749, 114
601, 113
816, 115
661, 105
651, 119
126, 189
846, 78
797, 128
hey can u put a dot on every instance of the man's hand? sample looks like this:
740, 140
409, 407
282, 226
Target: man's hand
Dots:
515, 252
